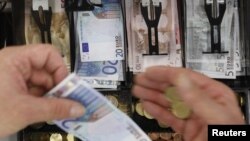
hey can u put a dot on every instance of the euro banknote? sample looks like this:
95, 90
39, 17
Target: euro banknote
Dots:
102, 121
101, 33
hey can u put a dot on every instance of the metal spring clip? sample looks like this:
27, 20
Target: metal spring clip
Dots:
215, 10
152, 21
80, 5
43, 20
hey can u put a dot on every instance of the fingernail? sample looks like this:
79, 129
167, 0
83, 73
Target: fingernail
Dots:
77, 110
184, 83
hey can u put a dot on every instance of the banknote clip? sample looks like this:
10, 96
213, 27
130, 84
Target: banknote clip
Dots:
215, 10
42, 14
2, 5
151, 12
80, 5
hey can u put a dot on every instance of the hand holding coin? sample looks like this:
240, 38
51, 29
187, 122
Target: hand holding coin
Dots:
186, 101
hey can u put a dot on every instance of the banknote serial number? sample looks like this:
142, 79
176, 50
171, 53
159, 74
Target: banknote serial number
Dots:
119, 49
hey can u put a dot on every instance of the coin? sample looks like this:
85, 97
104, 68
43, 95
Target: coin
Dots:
166, 136
242, 101
177, 137
147, 115
56, 137
50, 123
162, 125
70, 137
113, 100
172, 95
37, 125
180, 110
139, 109
153, 136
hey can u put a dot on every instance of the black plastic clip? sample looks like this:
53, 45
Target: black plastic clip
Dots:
2, 5
43, 20
152, 24
215, 11
80, 5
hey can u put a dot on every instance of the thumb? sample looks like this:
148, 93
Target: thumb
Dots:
199, 101
55, 108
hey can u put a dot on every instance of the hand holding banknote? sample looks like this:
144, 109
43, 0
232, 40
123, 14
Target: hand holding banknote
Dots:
211, 102
26, 74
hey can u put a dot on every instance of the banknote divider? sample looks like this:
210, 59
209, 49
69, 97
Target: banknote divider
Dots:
151, 13
215, 10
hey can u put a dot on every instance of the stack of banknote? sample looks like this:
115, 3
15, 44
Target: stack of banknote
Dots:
198, 41
168, 36
100, 45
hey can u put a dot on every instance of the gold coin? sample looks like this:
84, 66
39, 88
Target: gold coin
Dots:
113, 100
242, 101
139, 109
166, 136
180, 110
153, 136
177, 137
56, 137
172, 95
132, 108
37, 125
163, 125
70, 137
50, 123
147, 115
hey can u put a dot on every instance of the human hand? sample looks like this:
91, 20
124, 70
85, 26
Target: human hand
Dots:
211, 102
27, 73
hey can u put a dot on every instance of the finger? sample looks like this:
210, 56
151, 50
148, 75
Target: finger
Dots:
200, 103
49, 109
36, 91
150, 95
163, 115
36, 57
49, 58
169, 75
41, 78
142, 80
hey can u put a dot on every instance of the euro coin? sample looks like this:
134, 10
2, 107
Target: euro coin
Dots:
153, 136
172, 95
139, 109
113, 100
70, 137
163, 125
166, 136
242, 103
180, 110
50, 123
37, 125
147, 115
56, 137
177, 137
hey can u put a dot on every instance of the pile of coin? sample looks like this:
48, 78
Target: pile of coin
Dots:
164, 136
141, 111
49, 136
119, 103
178, 107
